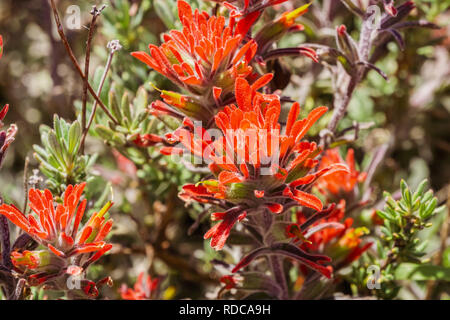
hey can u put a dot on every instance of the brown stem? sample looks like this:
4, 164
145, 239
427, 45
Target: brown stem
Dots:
75, 62
95, 13
4, 241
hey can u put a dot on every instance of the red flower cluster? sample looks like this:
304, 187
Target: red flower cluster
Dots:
256, 167
259, 167
56, 227
339, 184
334, 236
143, 289
203, 59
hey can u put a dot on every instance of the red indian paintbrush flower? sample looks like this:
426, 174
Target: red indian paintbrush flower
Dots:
143, 289
333, 236
204, 59
339, 184
56, 227
256, 167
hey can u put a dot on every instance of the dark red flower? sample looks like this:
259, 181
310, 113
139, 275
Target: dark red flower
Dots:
256, 167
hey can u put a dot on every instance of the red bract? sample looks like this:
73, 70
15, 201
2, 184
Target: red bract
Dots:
144, 288
56, 227
230, 282
389, 7
204, 59
255, 166
332, 236
1, 46
339, 183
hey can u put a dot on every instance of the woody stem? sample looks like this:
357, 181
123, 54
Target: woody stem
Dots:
276, 266
4, 241
75, 62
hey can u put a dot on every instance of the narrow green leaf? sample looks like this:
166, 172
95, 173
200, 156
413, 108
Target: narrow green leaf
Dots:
126, 106
113, 105
420, 190
74, 137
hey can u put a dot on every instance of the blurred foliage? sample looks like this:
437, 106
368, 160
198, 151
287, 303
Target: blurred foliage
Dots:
401, 249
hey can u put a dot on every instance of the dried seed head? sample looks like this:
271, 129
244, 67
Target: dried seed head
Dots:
114, 45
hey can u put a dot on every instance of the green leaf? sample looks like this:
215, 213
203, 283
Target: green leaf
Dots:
164, 12
104, 132
385, 215
74, 137
57, 126
125, 105
420, 190
98, 73
55, 148
446, 258
427, 197
141, 100
40, 151
408, 198
403, 186
429, 210
113, 105
45, 164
